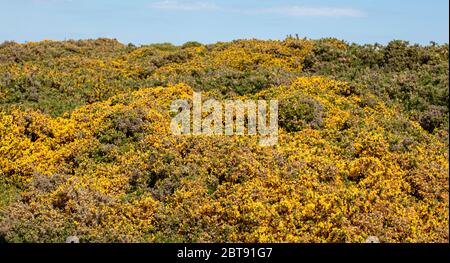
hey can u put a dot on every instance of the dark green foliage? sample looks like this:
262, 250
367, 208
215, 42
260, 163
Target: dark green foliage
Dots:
299, 112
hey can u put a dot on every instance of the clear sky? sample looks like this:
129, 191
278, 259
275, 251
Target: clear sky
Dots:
209, 21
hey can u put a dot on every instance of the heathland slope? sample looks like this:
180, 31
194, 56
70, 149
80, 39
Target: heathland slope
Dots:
86, 147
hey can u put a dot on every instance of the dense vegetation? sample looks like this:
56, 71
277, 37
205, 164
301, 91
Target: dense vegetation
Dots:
86, 147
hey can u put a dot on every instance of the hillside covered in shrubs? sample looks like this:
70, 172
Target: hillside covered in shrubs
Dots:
86, 147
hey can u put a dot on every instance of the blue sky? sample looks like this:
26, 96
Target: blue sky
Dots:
209, 21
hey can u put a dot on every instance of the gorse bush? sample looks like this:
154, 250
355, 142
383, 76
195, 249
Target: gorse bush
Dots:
86, 147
